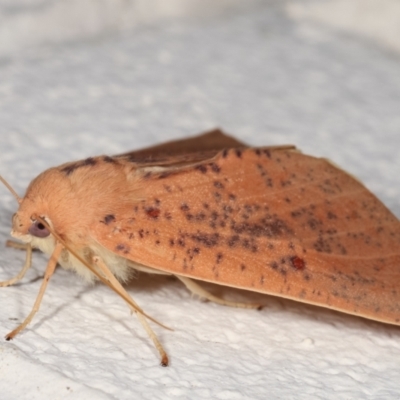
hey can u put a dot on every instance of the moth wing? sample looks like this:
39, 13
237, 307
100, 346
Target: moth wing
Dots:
178, 153
272, 221
211, 141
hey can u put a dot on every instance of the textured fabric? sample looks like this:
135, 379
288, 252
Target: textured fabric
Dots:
268, 74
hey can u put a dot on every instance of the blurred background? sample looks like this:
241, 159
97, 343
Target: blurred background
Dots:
86, 77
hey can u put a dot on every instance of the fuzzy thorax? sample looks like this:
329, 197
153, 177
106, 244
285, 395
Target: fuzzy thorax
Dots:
73, 204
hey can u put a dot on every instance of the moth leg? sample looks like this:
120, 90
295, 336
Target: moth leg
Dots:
27, 265
197, 289
17, 245
117, 285
51, 266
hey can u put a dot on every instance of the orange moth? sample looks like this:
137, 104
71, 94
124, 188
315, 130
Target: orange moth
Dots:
270, 220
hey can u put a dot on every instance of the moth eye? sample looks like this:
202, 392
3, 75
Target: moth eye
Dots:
39, 230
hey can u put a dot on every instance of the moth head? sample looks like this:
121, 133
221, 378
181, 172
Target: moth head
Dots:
31, 223
28, 227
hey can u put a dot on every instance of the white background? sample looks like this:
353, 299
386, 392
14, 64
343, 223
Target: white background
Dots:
81, 78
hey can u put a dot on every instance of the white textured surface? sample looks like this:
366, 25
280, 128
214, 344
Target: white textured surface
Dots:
376, 20
26, 23
263, 77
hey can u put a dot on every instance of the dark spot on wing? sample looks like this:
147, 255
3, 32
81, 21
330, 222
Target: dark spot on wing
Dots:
322, 245
89, 161
270, 226
267, 153
331, 215
110, 160
185, 207
202, 168
207, 239
233, 240
153, 212
215, 168
218, 185
70, 168
122, 248
108, 219
274, 265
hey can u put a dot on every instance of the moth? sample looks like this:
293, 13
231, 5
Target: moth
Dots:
210, 208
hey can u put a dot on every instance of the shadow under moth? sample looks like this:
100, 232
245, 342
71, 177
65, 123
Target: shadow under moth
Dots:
210, 208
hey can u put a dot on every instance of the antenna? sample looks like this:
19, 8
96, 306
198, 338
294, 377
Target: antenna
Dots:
8, 186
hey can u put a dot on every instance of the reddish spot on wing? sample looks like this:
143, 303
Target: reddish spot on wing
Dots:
298, 263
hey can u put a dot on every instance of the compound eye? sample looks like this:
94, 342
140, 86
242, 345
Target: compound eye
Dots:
39, 230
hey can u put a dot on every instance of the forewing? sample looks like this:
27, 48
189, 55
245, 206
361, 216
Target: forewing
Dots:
272, 221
